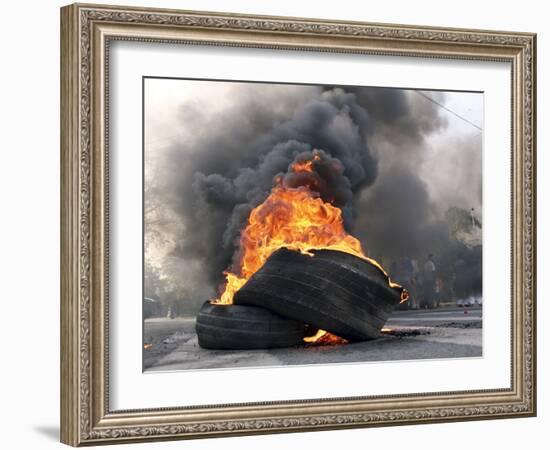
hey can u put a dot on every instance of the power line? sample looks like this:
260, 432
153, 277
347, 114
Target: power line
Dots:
447, 109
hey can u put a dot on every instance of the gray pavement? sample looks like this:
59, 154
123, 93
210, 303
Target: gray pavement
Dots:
171, 344
435, 317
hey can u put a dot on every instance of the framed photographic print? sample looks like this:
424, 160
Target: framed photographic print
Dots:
276, 224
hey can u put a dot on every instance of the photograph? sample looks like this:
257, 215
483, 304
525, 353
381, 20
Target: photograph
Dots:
298, 224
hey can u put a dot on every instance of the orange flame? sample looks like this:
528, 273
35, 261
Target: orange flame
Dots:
323, 337
295, 218
305, 166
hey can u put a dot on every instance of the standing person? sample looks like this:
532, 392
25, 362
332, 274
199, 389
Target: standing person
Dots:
429, 282
415, 285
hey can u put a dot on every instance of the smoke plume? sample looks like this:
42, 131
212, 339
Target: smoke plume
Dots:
215, 199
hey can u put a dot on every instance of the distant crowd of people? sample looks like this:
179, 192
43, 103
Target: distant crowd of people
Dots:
421, 281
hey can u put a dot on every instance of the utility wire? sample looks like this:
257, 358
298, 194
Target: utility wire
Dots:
447, 109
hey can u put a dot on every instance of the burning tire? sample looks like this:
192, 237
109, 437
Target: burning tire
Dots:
237, 327
333, 291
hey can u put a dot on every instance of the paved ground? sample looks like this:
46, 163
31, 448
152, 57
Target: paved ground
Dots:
171, 344
435, 317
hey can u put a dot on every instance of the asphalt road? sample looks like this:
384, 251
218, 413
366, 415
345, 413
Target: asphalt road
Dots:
435, 317
171, 344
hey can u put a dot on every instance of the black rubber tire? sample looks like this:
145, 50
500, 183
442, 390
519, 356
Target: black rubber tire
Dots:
332, 290
238, 327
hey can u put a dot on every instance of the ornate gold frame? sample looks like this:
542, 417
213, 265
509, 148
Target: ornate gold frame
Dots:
86, 31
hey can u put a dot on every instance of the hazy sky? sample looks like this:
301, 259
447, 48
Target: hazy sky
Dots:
165, 97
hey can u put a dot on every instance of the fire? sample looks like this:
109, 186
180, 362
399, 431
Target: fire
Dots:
305, 166
323, 337
295, 218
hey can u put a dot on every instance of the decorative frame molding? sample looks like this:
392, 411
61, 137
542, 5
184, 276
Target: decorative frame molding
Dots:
86, 31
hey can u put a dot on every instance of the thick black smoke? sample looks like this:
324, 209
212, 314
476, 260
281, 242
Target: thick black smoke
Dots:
404, 118
326, 178
217, 198
398, 217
